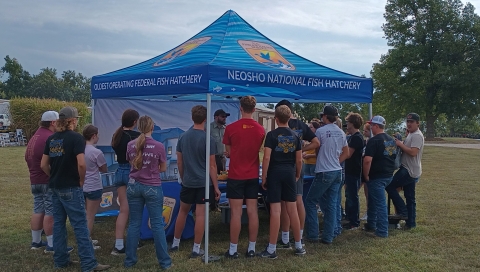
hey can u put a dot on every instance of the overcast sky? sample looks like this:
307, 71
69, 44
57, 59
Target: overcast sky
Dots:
95, 37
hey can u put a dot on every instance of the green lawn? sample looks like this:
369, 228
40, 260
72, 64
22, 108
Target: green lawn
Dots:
446, 238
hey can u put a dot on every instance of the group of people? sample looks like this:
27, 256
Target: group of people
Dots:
64, 172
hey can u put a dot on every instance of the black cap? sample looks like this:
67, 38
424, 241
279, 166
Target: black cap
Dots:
221, 112
286, 103
413, 116
329, 110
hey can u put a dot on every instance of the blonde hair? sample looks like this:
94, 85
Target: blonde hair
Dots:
145, 125
283, 113
65, 124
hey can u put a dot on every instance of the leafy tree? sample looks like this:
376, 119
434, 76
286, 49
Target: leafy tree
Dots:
18, 79
433, 65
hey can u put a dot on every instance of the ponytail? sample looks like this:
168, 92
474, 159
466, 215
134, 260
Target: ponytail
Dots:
139, 146
117, 136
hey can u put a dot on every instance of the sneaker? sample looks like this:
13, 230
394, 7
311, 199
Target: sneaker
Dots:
38, 245
173, 249
398, 216
140, 244
100, 267
94, 242
292, 242
265, 254
234, 255
51, 251
300, 251
117, 251
350, 227
96, 247
250, 254
282, 245
364, 217
194, 254
325, 242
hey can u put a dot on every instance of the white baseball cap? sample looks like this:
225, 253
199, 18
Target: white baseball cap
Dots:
50, 116
377, 120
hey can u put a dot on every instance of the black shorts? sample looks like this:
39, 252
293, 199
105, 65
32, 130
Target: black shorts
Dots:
242, 189
192, 195
281, 186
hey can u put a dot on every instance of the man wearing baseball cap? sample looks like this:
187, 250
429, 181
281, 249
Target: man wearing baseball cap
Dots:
42, 217
64, 161
378, 167
409, 173
217, 130
328, 177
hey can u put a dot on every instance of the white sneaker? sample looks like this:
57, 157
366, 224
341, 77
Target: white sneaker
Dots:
94, 242
96, 247
364, 217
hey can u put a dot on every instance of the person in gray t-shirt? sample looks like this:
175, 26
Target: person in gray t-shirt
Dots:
191, 148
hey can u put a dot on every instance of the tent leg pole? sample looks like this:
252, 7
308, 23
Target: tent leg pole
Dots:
370, 110
207, 173
93, 111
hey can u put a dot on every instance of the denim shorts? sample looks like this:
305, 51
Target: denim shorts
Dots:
93, 195
42, 199
122, 175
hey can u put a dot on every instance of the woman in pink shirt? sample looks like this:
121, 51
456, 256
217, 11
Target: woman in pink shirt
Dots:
92, 188
147, 158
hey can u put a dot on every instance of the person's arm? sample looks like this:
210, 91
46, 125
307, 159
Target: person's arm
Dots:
103, 168
298, 164
367, 163
214, 177
345, 154
162, 166
314, 143
227, 151
45, 164
82, 168
267, 152
180, 164
411, 151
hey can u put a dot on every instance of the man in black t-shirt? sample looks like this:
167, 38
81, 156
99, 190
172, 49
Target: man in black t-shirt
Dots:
378, 167
353, 170
64, 161
281, 169
305, 134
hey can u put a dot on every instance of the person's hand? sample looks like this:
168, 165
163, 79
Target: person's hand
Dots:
297, 178
304, 155
264, 184
217, 194
226, 154
398, 142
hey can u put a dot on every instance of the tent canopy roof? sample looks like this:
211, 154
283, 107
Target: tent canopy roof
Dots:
231, 59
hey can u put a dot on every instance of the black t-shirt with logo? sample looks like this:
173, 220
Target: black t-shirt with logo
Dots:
63, 148
302, 129
121, 149
284, 143
383, 150
353, 165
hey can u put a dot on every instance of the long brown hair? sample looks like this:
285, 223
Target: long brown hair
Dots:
65, 124
129, 117
145, 125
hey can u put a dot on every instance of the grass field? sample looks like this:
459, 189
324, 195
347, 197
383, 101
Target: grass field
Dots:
446, 238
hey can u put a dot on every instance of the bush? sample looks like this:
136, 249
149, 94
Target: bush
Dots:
25, 113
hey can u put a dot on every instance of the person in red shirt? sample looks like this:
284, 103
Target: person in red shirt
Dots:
42, 217
243, 140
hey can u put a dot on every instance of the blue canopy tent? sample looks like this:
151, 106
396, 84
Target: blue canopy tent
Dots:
225, 61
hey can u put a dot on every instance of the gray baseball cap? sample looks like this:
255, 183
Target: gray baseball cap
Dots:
68, 112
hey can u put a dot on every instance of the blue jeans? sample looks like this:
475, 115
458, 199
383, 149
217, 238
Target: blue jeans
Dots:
70, 202
352, 203
138, 196
377, 206
325, 184
338, 222
122, 174
309, 169
403, 179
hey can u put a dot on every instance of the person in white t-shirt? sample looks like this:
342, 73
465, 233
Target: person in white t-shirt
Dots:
328, 177
409, 173
92, 188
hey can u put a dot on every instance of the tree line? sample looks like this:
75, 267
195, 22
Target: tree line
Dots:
68, 86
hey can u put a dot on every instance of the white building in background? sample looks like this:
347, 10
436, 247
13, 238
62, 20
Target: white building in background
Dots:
265, 117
